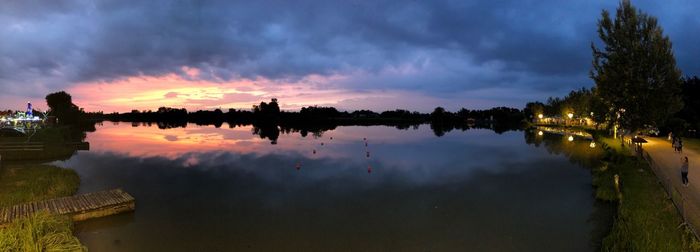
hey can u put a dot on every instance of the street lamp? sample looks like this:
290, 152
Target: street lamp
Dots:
571, 138
540, 133
592, 145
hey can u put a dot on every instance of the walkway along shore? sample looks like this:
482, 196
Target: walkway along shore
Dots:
666, 164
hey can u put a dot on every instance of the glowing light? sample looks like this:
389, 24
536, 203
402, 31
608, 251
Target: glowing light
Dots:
540, 133
592, 145
571, 138
571, 115
540, 116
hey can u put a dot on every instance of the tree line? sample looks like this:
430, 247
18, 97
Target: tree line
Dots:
317, 118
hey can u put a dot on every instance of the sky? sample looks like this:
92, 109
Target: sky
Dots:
119, 55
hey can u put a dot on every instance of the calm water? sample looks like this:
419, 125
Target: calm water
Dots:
203, 188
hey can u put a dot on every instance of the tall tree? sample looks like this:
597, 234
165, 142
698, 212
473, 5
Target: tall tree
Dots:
635, 72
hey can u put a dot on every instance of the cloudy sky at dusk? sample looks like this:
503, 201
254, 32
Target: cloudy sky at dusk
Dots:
118, 55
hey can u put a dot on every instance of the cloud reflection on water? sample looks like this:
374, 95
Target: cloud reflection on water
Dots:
208, 191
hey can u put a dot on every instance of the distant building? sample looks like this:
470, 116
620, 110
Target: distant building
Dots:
29, 110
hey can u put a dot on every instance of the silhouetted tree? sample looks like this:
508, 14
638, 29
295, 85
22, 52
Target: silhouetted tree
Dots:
61, 105
635, 72
691, 104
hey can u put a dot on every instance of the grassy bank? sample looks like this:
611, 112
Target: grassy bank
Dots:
646, 219
25, 183
41, 232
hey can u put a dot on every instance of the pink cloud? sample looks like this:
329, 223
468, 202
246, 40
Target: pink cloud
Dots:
171, 95
193, 93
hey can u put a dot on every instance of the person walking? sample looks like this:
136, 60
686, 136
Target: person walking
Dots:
684, 171
675, 145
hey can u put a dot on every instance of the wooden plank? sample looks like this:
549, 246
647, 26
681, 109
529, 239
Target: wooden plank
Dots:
22, 210
114, 197
126, 196
75, 204
14, 211
67, 205
121, 197
98, 200
91, 201
28, 209
83, 203
70, 206
65, 208
108, 198
59, 206
52, 206
41, 205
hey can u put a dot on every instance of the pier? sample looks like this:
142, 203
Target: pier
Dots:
78, 207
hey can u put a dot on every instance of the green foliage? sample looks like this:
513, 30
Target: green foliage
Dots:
40, 232
691, 102
533, 109
579, 102
635, 72
25, 183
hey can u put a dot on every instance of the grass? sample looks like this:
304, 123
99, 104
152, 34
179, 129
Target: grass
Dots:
691, 143
646, 219
40, 232
25, 183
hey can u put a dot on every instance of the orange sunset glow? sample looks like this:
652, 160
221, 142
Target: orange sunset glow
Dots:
189, 91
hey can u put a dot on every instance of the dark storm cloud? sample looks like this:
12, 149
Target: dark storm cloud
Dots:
438, 47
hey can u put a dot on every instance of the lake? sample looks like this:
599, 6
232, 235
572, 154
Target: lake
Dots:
202, 188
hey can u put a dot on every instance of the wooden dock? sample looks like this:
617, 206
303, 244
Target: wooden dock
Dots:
79, 207
40, 146
20, 146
